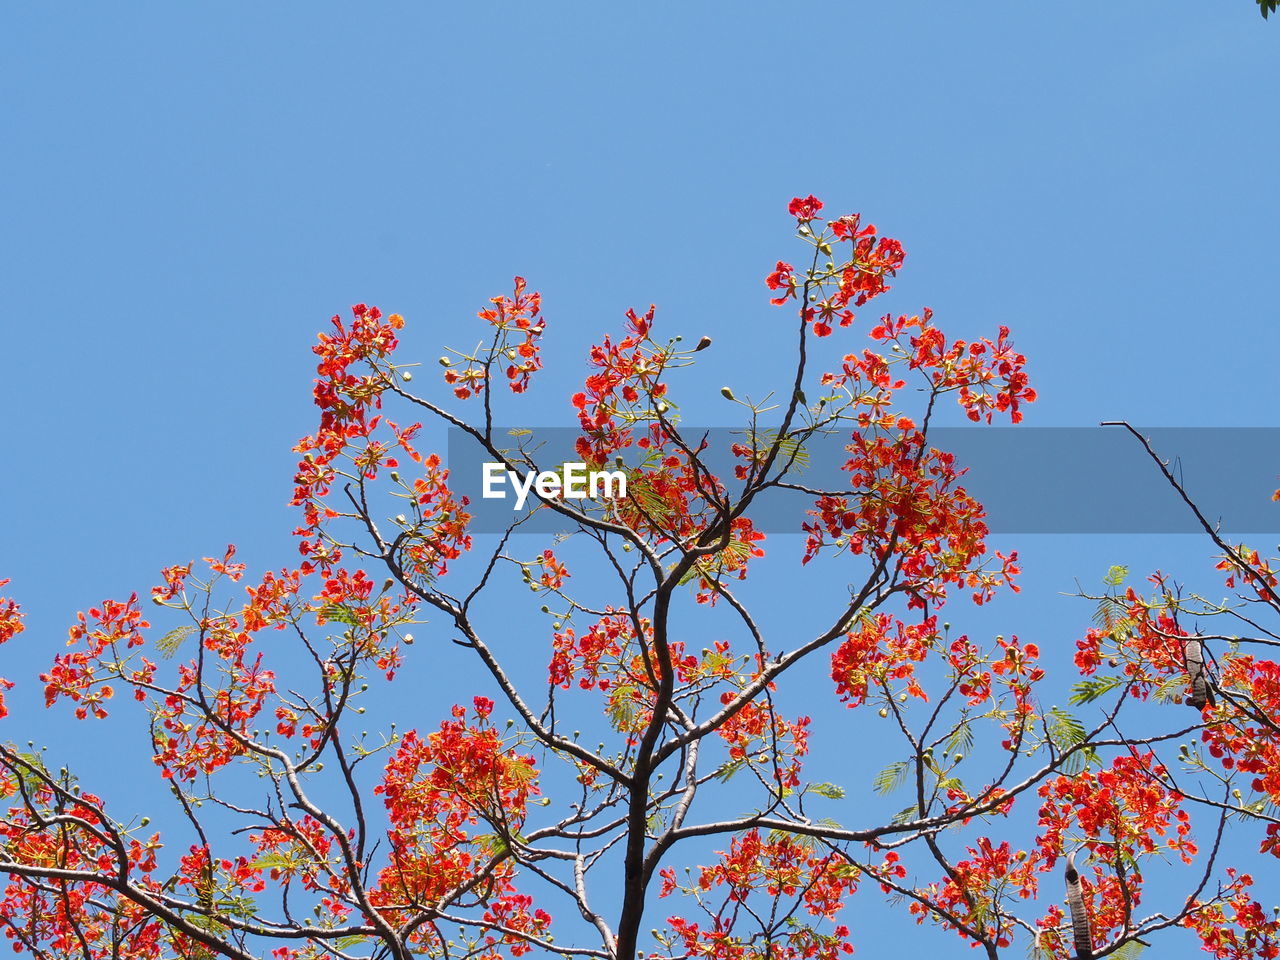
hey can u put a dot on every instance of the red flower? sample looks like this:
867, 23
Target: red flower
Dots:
804, 208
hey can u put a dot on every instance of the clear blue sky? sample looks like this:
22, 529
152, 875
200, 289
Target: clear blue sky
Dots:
191, 190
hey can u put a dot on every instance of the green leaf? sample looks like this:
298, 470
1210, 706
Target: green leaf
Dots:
891, 777
1090, 689
168, 644
1116, 576
727, 772
961, 738
1129, 950
622, 709
27, 778
207, 924
905, 815
339, 613
802, 840
1171, 689
272, 861
1067, 732
829, 790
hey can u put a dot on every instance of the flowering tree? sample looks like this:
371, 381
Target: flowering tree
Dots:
684, 824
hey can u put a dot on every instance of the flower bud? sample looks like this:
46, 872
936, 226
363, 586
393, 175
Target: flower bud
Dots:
702, 344
727, 393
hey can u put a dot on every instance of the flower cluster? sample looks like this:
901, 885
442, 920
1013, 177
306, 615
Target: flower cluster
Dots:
348, 391
439, 787
906, 502
518, 324
879, 651
974, 888
108, 633
10, 626
56, 826
827, 293
1123, 816
987, 376
625, 375
760, 876
1235, 926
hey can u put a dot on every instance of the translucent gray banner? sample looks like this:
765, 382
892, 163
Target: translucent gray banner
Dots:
1030, 479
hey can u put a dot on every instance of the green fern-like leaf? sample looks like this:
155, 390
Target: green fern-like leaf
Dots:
1067, 733
961, 738
891, 777
339, 613
1129, 950
1091, 688
905, 815
1116, 576
729, 770
168, 644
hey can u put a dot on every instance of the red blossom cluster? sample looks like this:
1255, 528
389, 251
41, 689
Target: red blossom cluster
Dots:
1242, 736
62, 827
826, 293
881, 649
969, 896
447, 862
756, 730
348, 391
10, 626
626, 377
1237, 927
671, 495
437, 789
987, 376
767, 876
518, 326
108, 632
906, 503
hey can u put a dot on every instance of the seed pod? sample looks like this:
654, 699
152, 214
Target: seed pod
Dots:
1201, 693
1080, 934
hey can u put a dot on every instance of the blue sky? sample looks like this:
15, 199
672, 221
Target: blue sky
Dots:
192, 190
